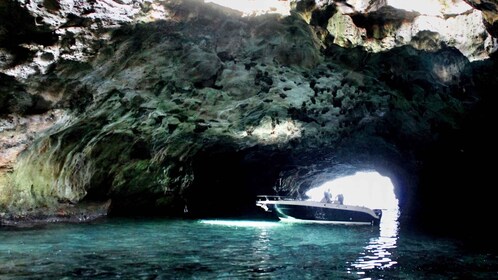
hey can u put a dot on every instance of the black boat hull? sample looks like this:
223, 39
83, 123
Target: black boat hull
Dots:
296, 213
315, 212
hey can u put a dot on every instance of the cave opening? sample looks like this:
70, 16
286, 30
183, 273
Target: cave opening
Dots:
227, 182
363, 188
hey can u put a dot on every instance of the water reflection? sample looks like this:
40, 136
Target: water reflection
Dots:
378, 253
261, 254
241, 223
157, 249
276, 246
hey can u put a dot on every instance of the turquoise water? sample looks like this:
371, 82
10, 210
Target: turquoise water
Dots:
214, 249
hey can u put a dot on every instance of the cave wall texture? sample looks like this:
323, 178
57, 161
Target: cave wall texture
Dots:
142, 107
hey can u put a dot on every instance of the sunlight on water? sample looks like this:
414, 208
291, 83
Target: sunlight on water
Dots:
372, 190
235, 223
377, 253
210, 249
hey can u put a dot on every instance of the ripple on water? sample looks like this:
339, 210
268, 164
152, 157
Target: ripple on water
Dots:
178, 249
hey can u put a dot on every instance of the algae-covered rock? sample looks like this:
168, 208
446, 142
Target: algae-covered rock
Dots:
188, 112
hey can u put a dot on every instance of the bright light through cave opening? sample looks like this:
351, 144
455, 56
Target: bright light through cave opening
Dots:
255, 7
369, 189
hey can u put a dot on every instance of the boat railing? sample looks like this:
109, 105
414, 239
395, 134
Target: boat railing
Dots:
273, 197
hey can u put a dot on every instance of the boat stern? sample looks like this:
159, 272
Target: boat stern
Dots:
378, 213
265, 202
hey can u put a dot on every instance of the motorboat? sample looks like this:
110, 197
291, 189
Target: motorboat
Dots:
326, 212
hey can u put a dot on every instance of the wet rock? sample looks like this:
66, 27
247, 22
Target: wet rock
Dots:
206, 105
64, 213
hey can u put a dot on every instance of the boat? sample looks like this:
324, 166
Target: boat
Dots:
325, 212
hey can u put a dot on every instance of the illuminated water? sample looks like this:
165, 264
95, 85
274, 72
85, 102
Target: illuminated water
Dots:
182, 249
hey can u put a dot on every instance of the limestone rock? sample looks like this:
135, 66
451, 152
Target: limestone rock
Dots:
204, 104
489, 10
386, 27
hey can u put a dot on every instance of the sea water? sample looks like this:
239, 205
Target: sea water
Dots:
233, 249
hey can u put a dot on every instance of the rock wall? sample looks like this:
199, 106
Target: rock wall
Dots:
153, 106
377, 26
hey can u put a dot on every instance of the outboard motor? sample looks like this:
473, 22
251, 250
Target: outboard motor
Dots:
378, 212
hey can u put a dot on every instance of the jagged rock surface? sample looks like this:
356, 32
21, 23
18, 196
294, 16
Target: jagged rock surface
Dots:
489, 10
206, 105
382, 25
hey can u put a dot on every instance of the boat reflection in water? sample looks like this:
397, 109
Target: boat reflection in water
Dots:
330, 228
378, 253
311, 249
221, 249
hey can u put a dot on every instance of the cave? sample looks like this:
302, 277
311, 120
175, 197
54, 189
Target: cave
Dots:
415, 114
192, 109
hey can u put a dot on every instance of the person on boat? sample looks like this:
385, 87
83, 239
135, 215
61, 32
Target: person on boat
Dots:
340, 198
327, 196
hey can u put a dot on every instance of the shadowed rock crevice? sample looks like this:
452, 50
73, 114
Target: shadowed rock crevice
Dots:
14, 99
381, 23
19, 27
456, 168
